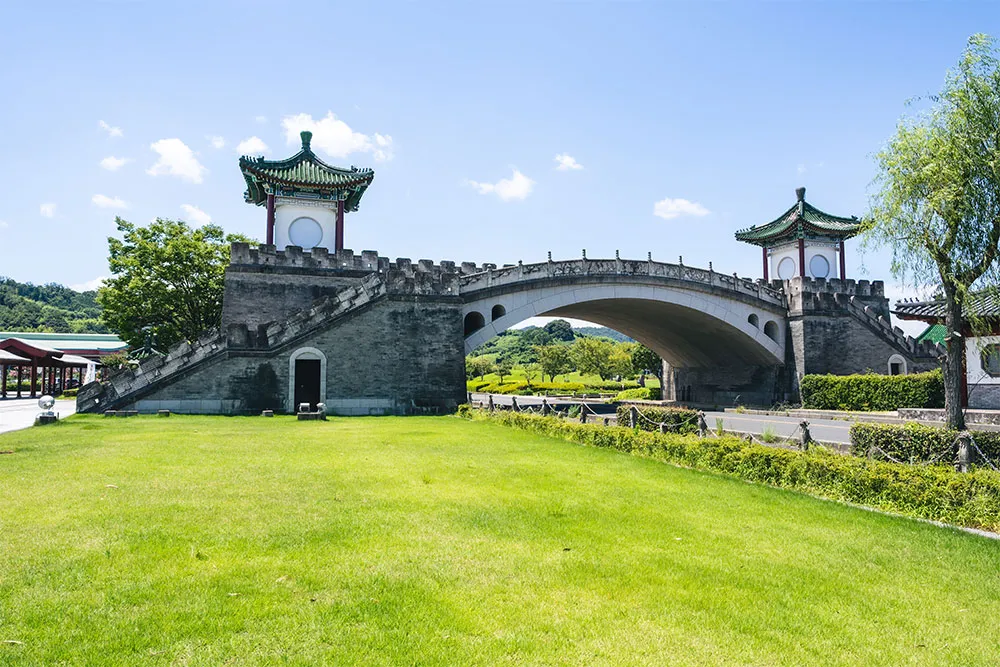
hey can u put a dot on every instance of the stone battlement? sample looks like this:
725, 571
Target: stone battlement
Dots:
321, 259
862, 288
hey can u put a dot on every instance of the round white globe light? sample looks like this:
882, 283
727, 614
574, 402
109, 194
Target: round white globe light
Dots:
46, 402
786, 268
819, 266
305, 233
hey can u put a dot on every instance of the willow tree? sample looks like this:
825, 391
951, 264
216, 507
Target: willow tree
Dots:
937, 199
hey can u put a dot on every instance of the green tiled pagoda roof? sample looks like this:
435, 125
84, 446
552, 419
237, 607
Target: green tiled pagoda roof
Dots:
800, 221
304, 172
934, 333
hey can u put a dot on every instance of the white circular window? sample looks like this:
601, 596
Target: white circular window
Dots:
305, 233
786, 268
819, 266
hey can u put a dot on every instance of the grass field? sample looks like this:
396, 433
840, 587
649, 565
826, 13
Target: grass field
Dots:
522, 374
207, 541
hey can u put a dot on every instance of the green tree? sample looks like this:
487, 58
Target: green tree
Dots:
937, 199
644, 359
477, 367
165, 276
592, 356
554, 360
560, 330
503, 367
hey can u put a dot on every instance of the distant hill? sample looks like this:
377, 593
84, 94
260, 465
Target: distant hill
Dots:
50, 308
602, 332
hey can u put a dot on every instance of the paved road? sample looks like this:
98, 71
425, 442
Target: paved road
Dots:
16, 413
824, 430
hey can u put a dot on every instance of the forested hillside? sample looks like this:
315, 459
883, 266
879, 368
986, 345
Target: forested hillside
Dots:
54, 308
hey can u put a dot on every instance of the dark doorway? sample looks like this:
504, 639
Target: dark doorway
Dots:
306, 383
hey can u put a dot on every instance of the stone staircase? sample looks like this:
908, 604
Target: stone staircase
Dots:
128, 385
894, 336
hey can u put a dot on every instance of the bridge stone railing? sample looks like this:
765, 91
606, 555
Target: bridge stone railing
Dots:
474, 278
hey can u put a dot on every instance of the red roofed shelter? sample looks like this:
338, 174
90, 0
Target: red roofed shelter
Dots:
53, 364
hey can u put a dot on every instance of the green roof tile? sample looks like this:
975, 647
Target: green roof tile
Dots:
800, 221
304, 172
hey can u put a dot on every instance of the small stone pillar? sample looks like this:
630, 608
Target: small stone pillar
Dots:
805, 438
663, 428
267, 413
513, 403
583, 413
489, 403
702, 425
546, 408
962, 443
633, 417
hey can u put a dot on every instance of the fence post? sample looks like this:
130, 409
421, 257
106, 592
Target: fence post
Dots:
468, 397
633, 416
702, 425
663, 427
489, 404
806, 437
513, 403
583, 413
962, 463
545, 407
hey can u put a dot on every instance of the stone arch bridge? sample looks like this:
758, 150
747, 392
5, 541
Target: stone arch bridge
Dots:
365, 335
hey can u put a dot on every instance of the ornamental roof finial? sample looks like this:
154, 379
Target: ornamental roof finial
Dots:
306, 139
800, 194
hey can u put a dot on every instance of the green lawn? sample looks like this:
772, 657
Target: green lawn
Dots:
207, 541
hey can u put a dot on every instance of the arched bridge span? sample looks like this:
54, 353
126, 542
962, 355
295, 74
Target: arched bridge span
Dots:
691, 317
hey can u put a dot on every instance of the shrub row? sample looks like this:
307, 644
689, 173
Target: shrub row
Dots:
678, 420
927, 492
919, 443
639, 394
872, 392
521, 386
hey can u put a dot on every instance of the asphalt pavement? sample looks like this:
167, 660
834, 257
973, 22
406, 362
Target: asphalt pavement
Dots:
17, 413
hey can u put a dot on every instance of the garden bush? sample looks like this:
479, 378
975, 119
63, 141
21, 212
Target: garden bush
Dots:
929, 492
918, 443
639, 394
521, 386
872, 392
678, 420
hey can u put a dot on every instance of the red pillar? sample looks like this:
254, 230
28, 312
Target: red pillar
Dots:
3, 382
765, 263
843, 263
270, 219
19, 381
802, 258
340, 226
34, 378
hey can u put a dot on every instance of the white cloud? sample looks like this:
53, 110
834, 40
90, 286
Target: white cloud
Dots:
801, 169
567, 162
47, 210
3, 224
112, 131
217, 142
196, 215
112, 163
518, 186
90, 285
176, 159
335, 138
668, 208
260, 119
108, 202
252, 146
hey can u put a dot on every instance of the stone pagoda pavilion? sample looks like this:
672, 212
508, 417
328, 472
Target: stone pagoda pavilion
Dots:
802, 242
305, 197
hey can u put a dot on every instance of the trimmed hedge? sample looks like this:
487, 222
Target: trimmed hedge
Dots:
871, 392
520, 386
927, 492
639, 394
918, 443
678, 420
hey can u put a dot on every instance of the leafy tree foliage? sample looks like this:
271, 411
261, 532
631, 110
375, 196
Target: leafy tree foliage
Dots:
937, 204
554, 360
477, 367
644, 359
600, 356
503, 367
560, 330
167, 277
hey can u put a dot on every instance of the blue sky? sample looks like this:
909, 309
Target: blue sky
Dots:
726, 106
